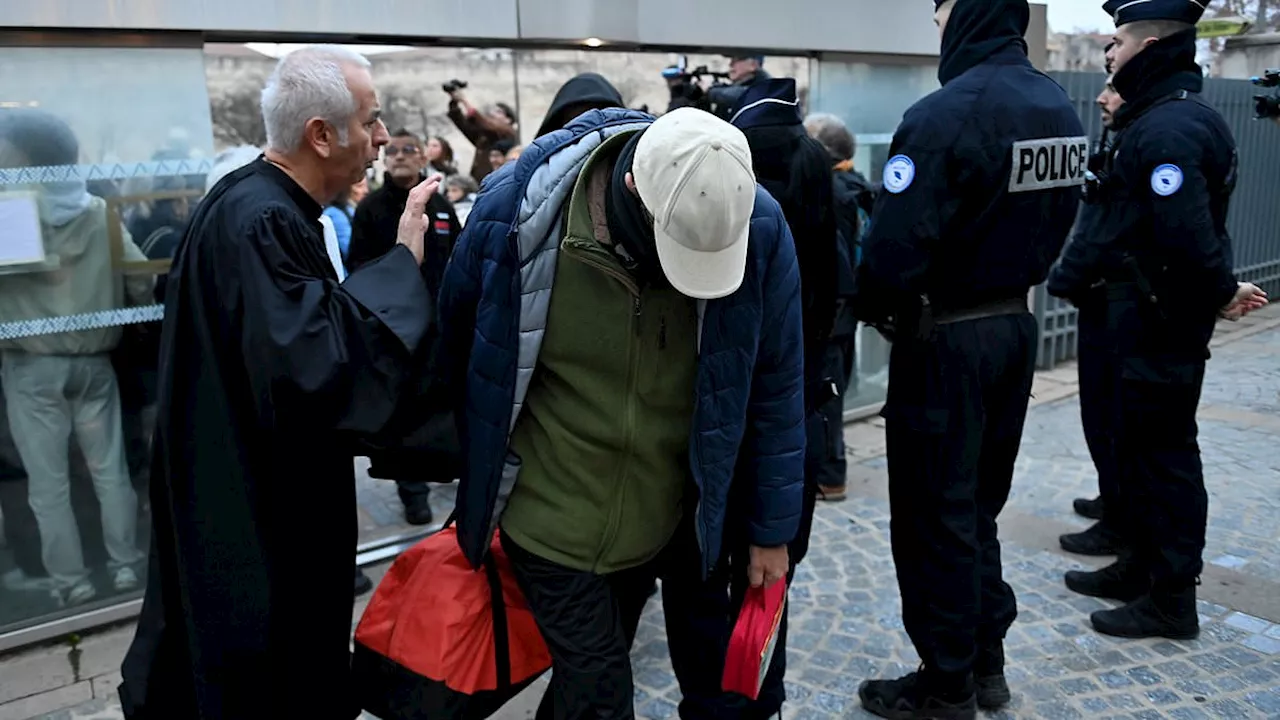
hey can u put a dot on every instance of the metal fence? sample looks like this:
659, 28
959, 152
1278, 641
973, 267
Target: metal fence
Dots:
1254, 220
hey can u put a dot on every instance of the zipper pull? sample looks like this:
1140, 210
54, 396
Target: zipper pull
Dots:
635, 306
662, 332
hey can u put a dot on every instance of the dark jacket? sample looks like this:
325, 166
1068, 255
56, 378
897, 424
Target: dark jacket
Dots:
493, 310
588, 91
377, 223
796, 170
483, 133
958, 220
1162, 209
854, 199
420, 442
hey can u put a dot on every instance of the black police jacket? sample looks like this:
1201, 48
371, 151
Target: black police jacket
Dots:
1151, 238
979, 193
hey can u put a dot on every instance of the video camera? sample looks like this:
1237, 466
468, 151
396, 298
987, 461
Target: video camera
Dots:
454, 86
1267, 106
687, 90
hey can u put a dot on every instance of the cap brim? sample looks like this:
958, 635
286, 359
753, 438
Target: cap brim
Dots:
703, 275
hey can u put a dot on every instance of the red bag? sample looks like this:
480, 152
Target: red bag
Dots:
431, 645
755, 637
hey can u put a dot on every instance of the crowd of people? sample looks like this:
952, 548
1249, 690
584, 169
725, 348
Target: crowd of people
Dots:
628, 342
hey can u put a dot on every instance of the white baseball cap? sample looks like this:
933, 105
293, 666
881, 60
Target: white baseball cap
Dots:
693, 173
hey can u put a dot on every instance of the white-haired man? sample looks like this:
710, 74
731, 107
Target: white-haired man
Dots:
269, 369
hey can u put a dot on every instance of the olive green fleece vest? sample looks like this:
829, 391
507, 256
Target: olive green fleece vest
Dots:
604, 434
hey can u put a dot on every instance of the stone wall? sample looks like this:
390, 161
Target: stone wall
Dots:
1249, 56
1079, 52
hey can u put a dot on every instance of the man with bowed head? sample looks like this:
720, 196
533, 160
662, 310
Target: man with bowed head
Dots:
269, 370
622, 323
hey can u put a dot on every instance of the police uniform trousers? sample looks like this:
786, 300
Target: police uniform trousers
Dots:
1096, 362
953, 420
1159, 458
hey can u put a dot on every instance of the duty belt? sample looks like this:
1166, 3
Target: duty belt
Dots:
1014, 306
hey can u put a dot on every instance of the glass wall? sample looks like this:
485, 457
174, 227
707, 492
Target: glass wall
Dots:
870, 95
102, 151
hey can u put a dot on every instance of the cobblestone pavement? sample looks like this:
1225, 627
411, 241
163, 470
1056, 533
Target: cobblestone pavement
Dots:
846, 613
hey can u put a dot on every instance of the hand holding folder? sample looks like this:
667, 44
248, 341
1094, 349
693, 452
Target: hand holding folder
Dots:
755, 637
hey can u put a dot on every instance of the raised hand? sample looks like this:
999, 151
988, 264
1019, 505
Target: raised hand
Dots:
414, 221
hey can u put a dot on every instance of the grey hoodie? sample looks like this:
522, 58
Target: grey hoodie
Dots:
78, 275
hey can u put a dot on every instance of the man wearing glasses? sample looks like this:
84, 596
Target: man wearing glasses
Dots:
373, 233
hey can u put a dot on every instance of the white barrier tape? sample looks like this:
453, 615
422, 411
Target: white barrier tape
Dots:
881, 139
84, 321
104, 171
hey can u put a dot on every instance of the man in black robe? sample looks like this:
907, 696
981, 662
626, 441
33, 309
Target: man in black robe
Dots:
269, 370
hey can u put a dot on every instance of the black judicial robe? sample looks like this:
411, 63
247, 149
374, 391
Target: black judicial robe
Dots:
269, 369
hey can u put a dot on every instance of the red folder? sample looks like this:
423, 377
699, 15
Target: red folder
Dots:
755, 637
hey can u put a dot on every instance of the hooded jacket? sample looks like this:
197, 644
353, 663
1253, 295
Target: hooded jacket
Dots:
977, 30
796, 170
590, 90
958, 221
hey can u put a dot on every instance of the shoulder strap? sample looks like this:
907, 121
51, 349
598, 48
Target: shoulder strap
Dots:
498, 606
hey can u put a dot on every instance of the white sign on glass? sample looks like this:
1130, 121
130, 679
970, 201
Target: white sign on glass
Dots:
21, 242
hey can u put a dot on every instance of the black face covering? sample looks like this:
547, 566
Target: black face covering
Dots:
979, 29
629, 226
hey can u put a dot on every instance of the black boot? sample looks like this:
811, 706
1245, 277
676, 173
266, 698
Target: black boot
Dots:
363, 583
416, 497
988, 676
1122, 580
915, 696
1099, 540
1090, 508
1165, 613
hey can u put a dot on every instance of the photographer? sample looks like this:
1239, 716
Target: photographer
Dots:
746, 69
684, 87
496, 124
726, 89
1268, 106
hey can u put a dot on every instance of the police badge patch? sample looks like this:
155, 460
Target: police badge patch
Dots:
1166, 180
899, 173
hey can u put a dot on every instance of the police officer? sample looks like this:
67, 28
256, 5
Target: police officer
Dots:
1154, 233
1095, 363
979, 195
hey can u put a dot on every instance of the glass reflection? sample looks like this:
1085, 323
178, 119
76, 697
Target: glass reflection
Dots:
870, 98
109, 188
